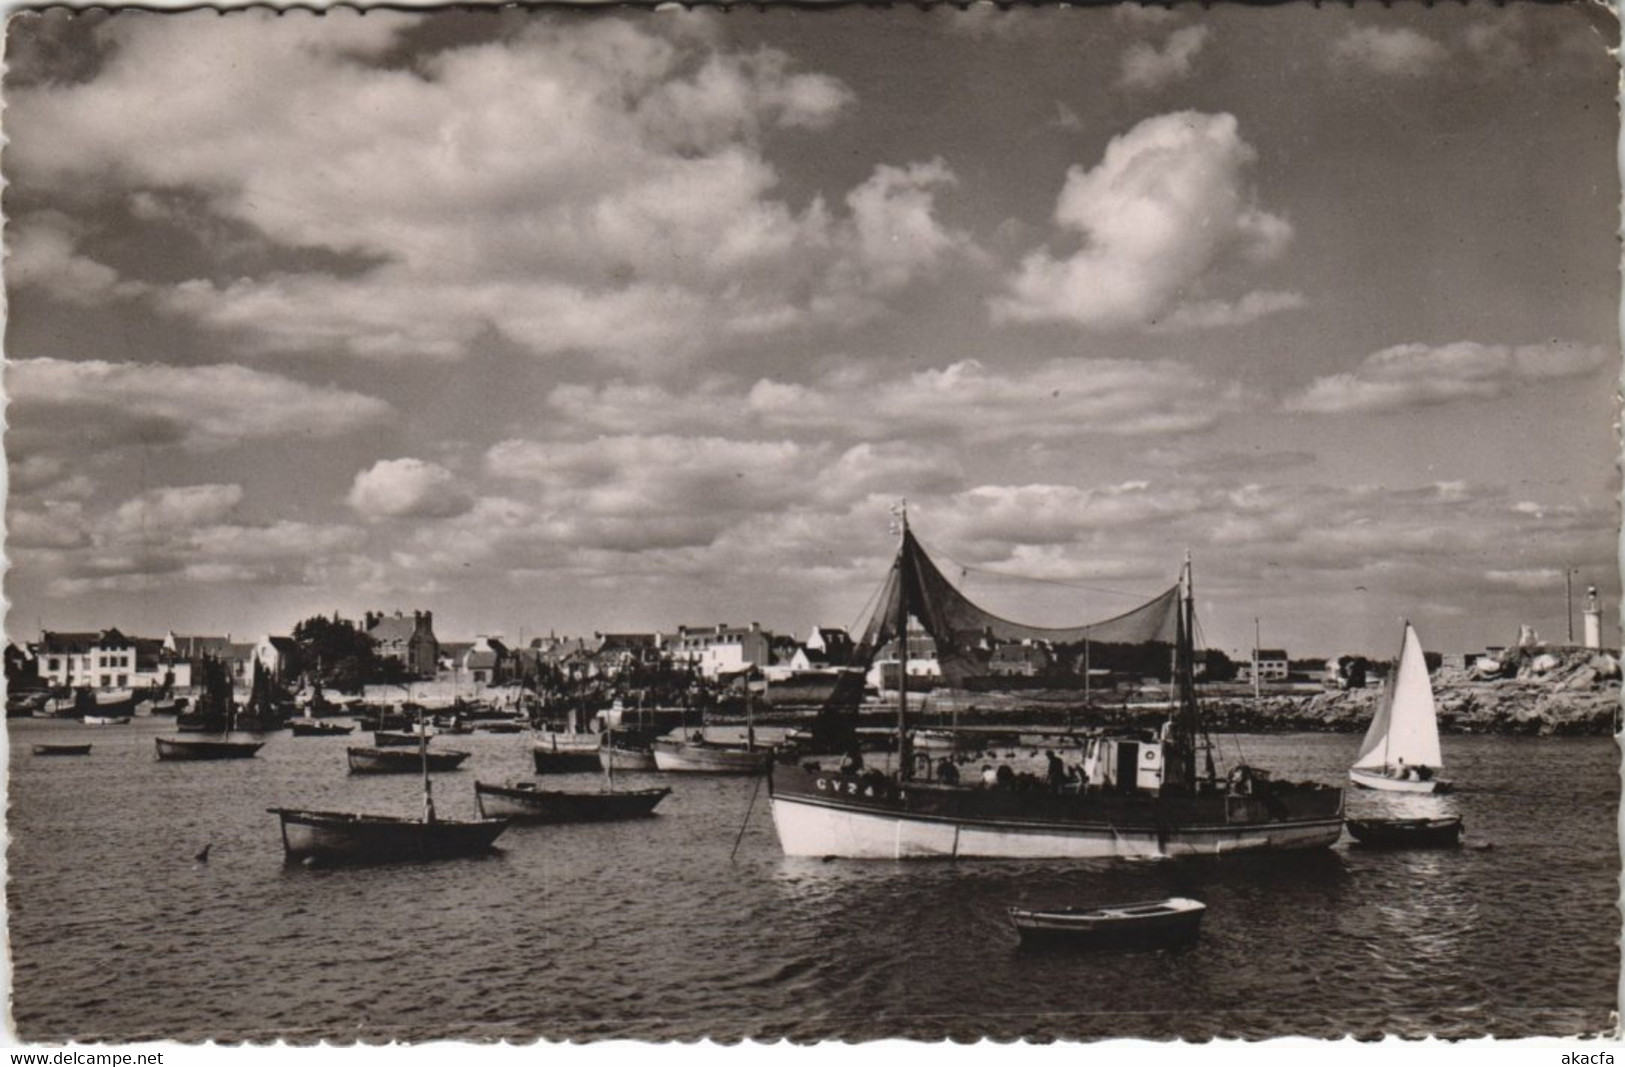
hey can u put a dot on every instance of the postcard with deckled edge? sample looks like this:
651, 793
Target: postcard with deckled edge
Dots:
576, 524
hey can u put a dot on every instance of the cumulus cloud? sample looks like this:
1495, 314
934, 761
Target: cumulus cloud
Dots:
1400, 51
1144, 66
408, 488
584, 185
1164, 215
95, 404
1060, 399
43, 254
1415, 375
161, 512
170, 536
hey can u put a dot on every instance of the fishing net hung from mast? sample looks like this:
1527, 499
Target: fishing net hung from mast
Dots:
966, 633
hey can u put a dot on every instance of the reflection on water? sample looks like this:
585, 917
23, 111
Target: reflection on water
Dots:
648, 930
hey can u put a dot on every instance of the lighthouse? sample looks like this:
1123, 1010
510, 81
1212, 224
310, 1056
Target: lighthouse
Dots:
1593, 619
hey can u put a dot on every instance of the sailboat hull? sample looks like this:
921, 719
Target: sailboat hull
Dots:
344, 837
1377, 780
819, 814
701, 757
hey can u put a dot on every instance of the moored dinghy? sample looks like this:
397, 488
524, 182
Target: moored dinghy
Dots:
401, 760
1152, 923
1442, 832
61, 750
527, 802
352, 837
1400, 753
183, 750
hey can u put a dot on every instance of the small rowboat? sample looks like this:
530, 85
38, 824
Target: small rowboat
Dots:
175, 750
61, 750
1444, 832
398, 738
401, 760
317, 728
524, 801
346, 837
499, 726
107, 720
1145, 924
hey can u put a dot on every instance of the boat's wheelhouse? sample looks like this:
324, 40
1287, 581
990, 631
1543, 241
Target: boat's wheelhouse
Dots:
1123, 765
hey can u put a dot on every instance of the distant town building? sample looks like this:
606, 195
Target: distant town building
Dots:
488, 662
279, 655
1271, 664
108, 659
720, 649
1018, 659
409, 641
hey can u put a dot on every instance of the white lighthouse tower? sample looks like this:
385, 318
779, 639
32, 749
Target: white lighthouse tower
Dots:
1593, 619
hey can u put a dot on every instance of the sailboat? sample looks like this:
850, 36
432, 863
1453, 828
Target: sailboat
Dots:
699, 755
1400, 753
1144, 795
565, 751
529, 802
213, 715
350, 837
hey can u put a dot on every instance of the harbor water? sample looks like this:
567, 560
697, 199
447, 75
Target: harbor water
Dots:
649, 930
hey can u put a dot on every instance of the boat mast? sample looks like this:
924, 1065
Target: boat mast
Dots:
423, 754
904, 756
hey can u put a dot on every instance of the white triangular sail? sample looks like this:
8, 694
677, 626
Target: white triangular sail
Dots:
1406, 726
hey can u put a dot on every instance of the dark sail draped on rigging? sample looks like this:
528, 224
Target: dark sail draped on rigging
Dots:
966, 634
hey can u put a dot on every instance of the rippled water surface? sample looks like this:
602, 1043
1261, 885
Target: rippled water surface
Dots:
647, 929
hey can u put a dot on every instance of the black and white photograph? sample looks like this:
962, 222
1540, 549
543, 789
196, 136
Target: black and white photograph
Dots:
827, 524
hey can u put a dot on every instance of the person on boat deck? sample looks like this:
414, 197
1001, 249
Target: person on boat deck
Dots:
947, 773
1400, 770
852, 762
1004, 777
698, 737
990, 778
1057, 772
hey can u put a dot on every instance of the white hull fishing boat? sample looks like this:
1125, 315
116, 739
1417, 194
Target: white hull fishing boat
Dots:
1142, 795
1400, 753
676, 755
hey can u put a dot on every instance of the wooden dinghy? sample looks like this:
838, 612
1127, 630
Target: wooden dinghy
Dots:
401, 760
1443, 832
1151, 923
177, 750
348, 837
318, 728
525, 801
61, 750
399, 738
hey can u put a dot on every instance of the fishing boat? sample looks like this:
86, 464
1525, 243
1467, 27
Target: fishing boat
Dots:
350, 837
399, 738
499, 726
698, 754
1146, 794
176, 750
564, 752
401, 760
319, 728
1400, 753
213, 710
268, 706
61, 750
1152, 923
1442, 832
621, 753
528, 802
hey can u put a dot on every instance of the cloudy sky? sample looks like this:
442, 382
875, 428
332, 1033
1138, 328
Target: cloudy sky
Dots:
593, 321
